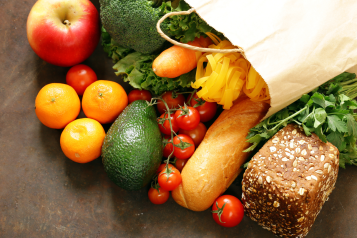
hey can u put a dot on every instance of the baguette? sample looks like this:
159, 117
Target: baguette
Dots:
218, 160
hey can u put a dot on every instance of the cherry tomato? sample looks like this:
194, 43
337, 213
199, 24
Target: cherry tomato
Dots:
196, 134
80, 77
137, 94
187, 118
162, 167
165, 127
180, 163
227, 211
168, 147
207, 110
184, 150
158, 197
172, 100
169, 179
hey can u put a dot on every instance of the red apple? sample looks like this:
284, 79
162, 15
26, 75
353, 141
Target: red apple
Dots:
63, 32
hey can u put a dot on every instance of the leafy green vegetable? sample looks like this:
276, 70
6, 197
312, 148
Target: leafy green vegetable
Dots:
327, 111
185, 28
113, 50
137, 70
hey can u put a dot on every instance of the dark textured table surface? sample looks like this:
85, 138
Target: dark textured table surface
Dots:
44, 194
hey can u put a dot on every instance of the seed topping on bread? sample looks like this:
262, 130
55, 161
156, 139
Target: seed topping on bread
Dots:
288, 180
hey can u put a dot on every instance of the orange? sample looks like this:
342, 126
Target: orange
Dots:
104, 100
56, 105
82, 139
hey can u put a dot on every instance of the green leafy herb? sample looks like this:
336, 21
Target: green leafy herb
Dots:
327, 111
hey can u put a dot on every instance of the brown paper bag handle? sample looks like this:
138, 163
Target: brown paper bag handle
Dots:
163, 35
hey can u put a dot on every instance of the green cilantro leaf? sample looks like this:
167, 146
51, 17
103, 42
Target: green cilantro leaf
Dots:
305, 98
319, 99
336, 138
320, 117
327, 111
343, 98
334, 122
306, 130
351, 125
320, 134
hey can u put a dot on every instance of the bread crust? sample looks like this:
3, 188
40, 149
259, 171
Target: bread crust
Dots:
217, 161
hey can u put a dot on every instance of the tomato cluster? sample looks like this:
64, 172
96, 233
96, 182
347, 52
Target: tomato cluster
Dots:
183, 130
186, 119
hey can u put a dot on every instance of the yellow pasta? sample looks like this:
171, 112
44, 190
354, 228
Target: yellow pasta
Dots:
226, 75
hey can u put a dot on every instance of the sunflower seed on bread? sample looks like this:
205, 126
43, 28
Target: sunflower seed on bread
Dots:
288, 181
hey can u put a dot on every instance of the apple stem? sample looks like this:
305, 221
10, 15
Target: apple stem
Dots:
66, 22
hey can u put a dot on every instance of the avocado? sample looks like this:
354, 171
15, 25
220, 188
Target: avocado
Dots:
132, 149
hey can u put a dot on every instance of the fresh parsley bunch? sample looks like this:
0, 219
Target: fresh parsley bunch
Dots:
327, 111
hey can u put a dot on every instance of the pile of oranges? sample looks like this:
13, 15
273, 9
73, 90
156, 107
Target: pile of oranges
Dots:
58, 105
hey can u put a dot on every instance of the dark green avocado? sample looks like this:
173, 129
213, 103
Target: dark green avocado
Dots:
132, 149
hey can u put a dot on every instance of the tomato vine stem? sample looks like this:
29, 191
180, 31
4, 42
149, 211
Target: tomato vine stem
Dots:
169, 117
219, 211
191, 96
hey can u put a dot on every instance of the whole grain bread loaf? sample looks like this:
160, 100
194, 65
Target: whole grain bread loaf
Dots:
288, 181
